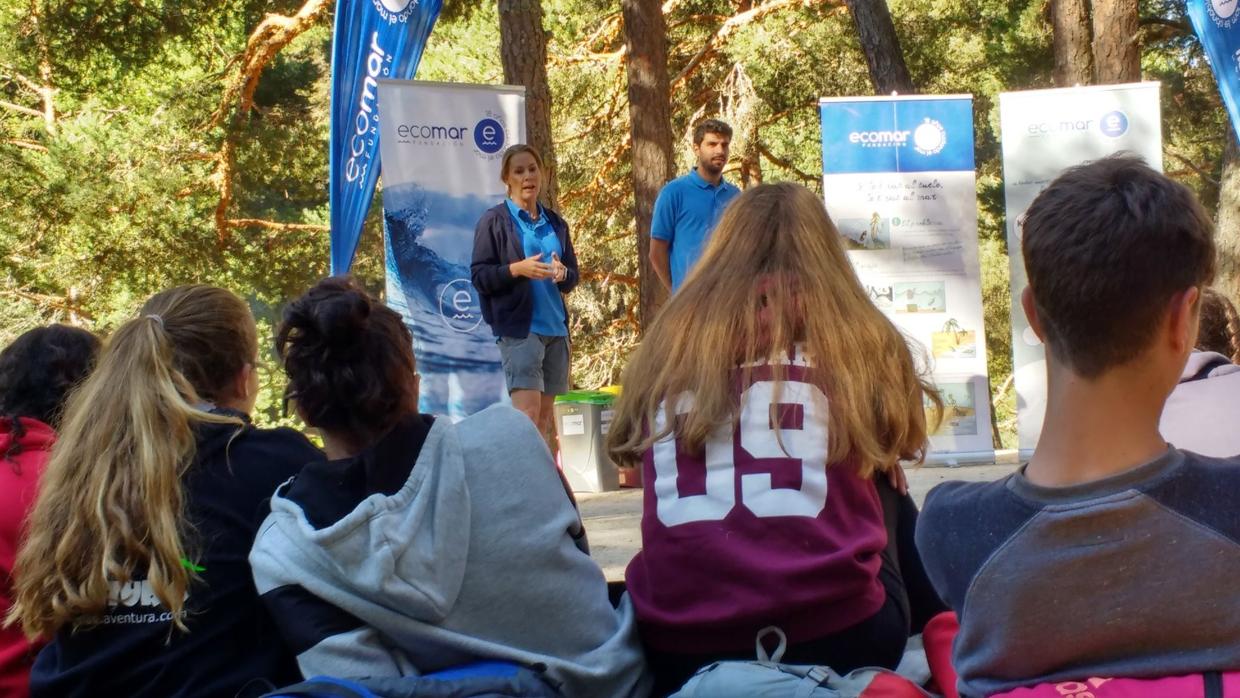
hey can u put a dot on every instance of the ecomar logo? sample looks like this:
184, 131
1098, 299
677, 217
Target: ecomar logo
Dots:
393, 11
489, 135
879, 139
1223, 12
1113, 124
458, 305
929, 138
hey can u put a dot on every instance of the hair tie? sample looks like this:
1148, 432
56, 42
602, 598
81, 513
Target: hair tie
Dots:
158, 320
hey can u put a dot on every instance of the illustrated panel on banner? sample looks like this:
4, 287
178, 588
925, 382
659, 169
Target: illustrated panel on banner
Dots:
1045, 132
899, 184
441, 147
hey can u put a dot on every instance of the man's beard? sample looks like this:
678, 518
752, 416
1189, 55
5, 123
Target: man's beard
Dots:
710, 167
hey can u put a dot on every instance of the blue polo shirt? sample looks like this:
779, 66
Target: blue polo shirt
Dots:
685, 213
537, 236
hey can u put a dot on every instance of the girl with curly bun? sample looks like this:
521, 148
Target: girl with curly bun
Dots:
134, 565
37, 371
425, 544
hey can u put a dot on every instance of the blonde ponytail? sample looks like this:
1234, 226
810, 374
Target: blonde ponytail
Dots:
111, 505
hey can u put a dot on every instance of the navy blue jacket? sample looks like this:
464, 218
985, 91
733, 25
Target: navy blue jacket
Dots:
507, 304
233, 642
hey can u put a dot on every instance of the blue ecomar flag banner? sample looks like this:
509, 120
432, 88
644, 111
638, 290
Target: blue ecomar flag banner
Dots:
374, 40
1217, 23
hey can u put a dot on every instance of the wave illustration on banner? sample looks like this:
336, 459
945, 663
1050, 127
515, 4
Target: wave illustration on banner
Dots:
429, 240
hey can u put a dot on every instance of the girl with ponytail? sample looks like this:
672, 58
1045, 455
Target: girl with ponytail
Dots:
134, 565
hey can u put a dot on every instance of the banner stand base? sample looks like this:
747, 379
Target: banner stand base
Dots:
959, 458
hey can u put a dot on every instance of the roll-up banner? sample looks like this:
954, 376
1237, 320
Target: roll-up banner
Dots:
899, 184
1217, 24
441, 146
373, 40
1045, 132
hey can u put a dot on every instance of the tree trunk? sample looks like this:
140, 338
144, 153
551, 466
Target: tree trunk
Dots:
645, 35
46, 90
523, 48
1117, 53
881, 46
1074, 59
1227, 223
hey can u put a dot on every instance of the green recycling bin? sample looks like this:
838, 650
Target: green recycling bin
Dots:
582, 418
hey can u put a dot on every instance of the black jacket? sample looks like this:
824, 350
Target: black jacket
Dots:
507, 304
232, 640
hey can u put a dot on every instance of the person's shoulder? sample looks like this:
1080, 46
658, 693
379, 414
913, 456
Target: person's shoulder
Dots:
494, 426
494, 215
274, 454
963, 505
677, 184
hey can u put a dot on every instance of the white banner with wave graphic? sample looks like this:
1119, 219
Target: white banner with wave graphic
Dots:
441, 146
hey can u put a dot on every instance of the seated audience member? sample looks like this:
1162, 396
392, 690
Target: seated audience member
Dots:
423, 544
1203, 412
37, 371
1109, 553
135, 558
761, 406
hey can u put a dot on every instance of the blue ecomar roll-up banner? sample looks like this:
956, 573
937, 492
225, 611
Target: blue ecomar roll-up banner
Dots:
374, 40
1217, 23
899, 184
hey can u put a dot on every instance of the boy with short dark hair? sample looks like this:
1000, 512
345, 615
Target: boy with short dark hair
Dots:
1110, 553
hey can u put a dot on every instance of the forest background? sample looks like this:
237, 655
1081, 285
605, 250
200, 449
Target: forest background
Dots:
150, 143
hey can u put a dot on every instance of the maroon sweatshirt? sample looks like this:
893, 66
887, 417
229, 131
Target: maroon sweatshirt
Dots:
756, 530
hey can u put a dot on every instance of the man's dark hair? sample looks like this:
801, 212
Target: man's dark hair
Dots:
714, 126
1107, 246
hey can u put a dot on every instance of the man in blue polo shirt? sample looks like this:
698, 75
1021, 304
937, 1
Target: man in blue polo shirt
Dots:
688, 207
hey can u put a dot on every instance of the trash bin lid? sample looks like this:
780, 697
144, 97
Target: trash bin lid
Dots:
588, 397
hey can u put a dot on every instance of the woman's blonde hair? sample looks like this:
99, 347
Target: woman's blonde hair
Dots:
505, 162
774, 276
110, 506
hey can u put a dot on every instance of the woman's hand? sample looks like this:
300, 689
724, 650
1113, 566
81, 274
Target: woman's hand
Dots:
532, 268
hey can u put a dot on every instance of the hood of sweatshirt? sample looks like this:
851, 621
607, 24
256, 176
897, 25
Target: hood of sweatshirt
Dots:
389, 526
36, 436
1206, 364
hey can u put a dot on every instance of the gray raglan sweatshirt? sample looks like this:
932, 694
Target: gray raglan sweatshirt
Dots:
441, 545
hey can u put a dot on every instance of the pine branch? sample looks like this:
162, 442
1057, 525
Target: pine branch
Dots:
275, 225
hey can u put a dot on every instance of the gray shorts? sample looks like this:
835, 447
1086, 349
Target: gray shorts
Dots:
535, 363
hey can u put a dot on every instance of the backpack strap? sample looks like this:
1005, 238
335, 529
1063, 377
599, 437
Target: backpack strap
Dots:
816, 678
320, 686
1214, 684
760, 650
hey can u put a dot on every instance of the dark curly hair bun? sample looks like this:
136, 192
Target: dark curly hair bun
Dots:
341, 318
349, 360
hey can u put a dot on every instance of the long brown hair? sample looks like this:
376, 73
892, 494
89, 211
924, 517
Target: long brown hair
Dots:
110, 506
775, 275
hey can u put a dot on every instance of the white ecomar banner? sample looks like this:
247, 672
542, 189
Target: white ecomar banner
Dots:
441, 146
1045, 132
899, 184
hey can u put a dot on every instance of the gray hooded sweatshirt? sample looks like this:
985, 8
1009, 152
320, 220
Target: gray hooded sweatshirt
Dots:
441, 545
1203, 413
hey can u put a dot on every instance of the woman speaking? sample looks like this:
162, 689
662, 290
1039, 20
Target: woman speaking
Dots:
523, 261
